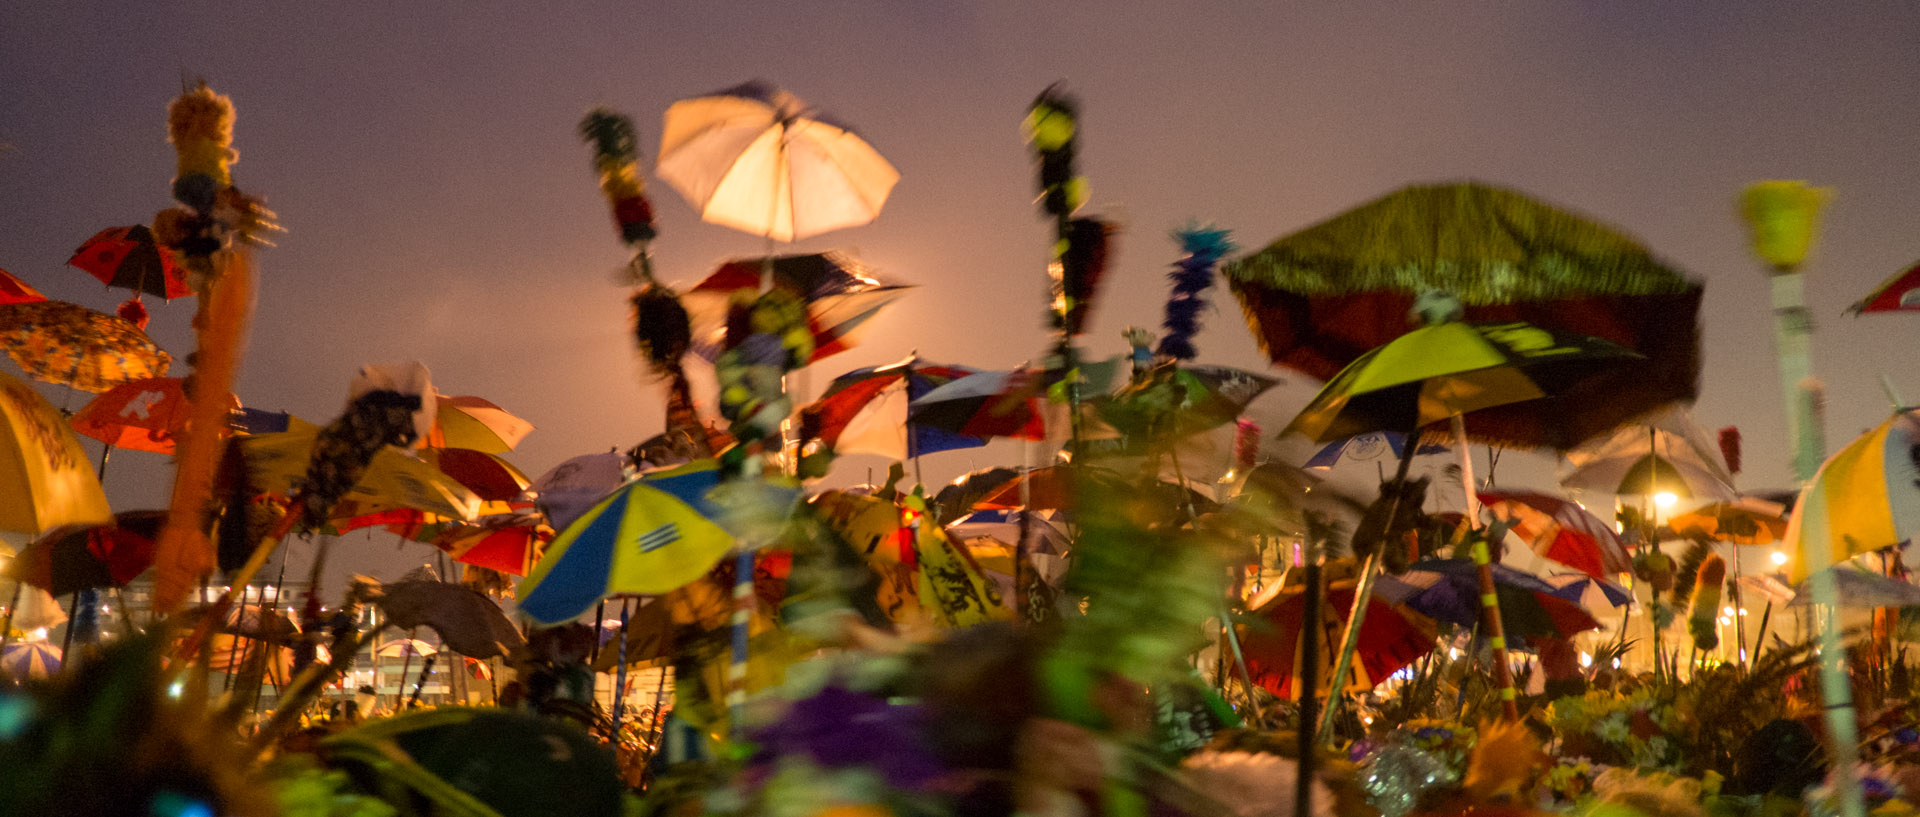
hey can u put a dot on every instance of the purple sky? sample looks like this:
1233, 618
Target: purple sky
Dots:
440, 207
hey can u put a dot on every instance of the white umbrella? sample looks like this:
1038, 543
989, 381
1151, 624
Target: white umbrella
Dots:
1667, 451
757, 159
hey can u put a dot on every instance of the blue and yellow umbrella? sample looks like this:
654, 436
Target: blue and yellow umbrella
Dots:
652, 535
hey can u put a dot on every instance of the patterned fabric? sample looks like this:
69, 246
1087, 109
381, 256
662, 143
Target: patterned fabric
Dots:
72, 345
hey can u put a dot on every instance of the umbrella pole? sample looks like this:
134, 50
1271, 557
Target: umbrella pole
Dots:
741, 625
1489, 597
6, 624
406, 668
1020, 594
620, 674
106, 450
66, 640
1350, 642
1739, 610
1307, 681
1760, 638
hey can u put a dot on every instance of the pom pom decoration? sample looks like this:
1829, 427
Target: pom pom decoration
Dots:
1192, 275
1706, 603
1246, 445
1730, 448
616, 152
661, 328
133, 312
767, 337
1051, 126
200, 126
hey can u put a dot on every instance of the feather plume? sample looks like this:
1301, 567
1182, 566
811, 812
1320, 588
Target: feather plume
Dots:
1192, 275
1706, 602
1689, 571
661, 328
616, 158
1082, 267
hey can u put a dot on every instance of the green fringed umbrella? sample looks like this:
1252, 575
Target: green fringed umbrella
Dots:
1320, 298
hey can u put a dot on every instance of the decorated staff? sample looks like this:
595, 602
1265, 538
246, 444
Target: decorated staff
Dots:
1080, 247
1192, 276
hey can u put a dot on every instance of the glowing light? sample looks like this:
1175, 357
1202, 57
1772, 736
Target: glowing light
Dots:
1727, 610
178, 688
1665, 499
1778, 557
1586, 659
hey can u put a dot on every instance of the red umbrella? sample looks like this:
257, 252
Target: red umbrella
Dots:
129, 258
144, 415
986, 404
487, 476
1390, 639
77, 557
1562, 531
841, 295
15, 291
506, 544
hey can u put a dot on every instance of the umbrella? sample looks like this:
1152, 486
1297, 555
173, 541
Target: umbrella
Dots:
1450, 369
464, 421
1320, 298
1901, 293
1044, 534
1390, 638
15, 291
573, 486
757, 159
1372, 445
986, 404
406, 648
129, 258
34, 659
489, 477
1864, 498
482, 762
1744, 521
45, 480
276, 463
1863, 589
145, 414
652, 535
1666, 452
1449, 590
504, 543
1594, 594
841, 295
865, 411
74, 346
468, 622
72, 558
1562, 531
924, 576
956, 499
1183, 400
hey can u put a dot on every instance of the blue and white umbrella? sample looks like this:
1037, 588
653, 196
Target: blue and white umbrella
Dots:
33, 659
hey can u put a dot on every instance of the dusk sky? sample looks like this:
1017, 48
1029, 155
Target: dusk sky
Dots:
440, 207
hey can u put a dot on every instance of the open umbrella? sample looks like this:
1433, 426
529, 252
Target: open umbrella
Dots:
1390, 638
45, 480
1665, 452
1560, 530
1373, 445
1862, 589
468, 622
130, 258
393, 479
1595, 594
406, 648
465, 421
144, 415
72, 558
650, 536
578, 483
1901, 293
74, 346
865, 411
32, 659
1864, 498
1320, 298
757, 159
1183, 400
15, 291
489, 477
841, 295
1449, 590
986, 404
1744, 521
506, 543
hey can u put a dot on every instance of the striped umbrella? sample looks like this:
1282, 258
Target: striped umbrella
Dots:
407, 648
1862, 499
1561, 530
1391, 637
1449, 590
34, 659
865, 411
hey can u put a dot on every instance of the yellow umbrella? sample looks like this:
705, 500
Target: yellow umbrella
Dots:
464, 421
392, 480
45, 479
1863, 499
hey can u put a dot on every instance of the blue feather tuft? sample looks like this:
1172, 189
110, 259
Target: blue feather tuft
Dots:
1192, 275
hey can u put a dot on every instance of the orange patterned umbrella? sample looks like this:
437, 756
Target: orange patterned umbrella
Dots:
69, 344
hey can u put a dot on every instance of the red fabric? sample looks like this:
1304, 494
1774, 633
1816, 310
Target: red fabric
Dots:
484, 475
1389, 640
15, 291
1891, 296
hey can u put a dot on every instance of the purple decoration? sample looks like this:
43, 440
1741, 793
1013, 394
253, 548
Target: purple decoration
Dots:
839, 727
1192, 275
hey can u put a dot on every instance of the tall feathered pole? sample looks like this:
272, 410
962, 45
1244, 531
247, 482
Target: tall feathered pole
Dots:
1192, 276
1081, 245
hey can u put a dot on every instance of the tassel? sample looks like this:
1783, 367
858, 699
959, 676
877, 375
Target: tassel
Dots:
1706, 603
661, 328
1192, 275
616, 152
133, 312
1730, 448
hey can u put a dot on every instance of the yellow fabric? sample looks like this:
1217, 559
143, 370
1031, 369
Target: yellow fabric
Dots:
1847, 502
47, 479
393, 479
697, 544
1785, 217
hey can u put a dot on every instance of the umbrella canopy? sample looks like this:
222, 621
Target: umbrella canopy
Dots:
986, 404
956, 499
1594, 594
1453, 368
1449, 590
489, 477
757, 159
1863, 589
144, 415
277, 462
72, 558
650, 536
74, 346
45, 479
1044, 534
1901, 293
1744, 521
406, 648
865, 411
15, 291
1562, 531
841, 294
1390, 639
33, 659
483, 762
130, 258
1664, 452
1373, 445
468, 622
465, 421
1863, 498
576, 484
924, 576
506, 543
1183, 400
1321, 297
